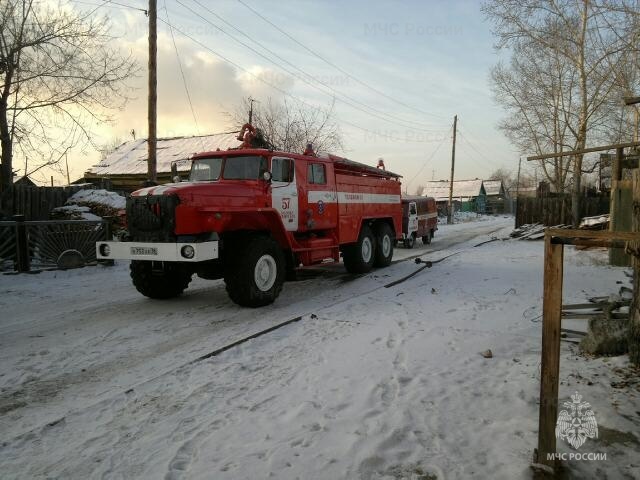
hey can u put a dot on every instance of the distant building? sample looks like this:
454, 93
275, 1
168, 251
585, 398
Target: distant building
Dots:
498, 200
125, 169
468, 195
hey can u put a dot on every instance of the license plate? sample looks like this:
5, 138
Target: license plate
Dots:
144, 251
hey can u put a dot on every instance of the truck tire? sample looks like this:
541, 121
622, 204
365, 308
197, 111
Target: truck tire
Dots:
255, 274
384, 247
427, 238
168, 282
410, 241
359, 258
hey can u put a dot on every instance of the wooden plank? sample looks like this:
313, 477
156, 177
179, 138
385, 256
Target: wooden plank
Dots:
584, 150
594, 234
550, 368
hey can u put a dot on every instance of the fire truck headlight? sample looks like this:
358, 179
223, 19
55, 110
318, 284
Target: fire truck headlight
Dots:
187, 251
105, 250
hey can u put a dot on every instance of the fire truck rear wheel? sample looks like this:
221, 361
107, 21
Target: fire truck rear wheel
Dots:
427, 238
255, 275
160, 281
410, 241
385, 243
359, 257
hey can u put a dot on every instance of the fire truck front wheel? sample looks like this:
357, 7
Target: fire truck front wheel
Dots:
256, 273
159, 280
385, 241
359, 257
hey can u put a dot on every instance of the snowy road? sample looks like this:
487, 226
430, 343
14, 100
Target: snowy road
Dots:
72, 338
374, 381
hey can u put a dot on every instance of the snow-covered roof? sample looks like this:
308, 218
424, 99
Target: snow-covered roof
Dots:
131, 157
493, 187
462, 189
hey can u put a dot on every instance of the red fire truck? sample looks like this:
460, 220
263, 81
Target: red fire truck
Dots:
251, 216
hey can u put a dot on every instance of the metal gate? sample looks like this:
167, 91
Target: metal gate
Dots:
41, 244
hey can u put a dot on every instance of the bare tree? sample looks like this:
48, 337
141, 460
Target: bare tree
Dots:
58, 76
588, 42
288, 127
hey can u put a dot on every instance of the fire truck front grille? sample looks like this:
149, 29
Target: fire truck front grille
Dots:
152, 218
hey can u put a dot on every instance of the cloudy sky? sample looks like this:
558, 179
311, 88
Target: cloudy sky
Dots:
406, 68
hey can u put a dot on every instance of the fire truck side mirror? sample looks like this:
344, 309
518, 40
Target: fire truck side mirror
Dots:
174, 173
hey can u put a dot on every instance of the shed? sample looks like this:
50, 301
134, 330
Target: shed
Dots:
494, 189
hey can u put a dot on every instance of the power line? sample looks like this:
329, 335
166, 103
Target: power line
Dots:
315, 54
350, 101
426, 162
111, 3
473, 147
296, 67
184, 80
278, 89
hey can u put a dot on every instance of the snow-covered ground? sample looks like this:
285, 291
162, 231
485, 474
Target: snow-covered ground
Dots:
373, 382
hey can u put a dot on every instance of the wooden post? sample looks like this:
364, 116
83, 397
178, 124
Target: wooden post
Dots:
23, 262
153, 96
550, 371
619, 214
453, 162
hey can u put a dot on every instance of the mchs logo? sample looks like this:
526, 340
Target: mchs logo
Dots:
576, 423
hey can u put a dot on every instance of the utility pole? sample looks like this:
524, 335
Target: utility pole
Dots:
251, 100
634, 311
453, 162
152, 174
517, 192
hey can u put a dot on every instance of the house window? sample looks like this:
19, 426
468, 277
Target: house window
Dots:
316, 174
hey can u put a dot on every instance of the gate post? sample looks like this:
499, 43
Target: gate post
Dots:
550, 368
23, 263
108, 236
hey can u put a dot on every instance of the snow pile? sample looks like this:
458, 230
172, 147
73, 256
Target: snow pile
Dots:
599, 222
464, 217
93, 205
98, 197
73, 212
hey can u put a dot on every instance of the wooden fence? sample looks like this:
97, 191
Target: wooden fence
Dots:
552, 211
35, 203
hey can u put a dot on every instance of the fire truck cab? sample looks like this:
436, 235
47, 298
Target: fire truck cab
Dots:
252, 216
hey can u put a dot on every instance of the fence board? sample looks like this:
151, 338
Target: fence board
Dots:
556, 210
35, 203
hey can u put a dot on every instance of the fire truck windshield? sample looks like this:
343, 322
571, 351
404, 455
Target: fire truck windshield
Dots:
244, 168
206, 169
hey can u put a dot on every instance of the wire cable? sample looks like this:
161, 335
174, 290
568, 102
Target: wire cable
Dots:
111, 3
346, 99
335, 92
280, 90
328, 62
184, 79
468, 142
427, 161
